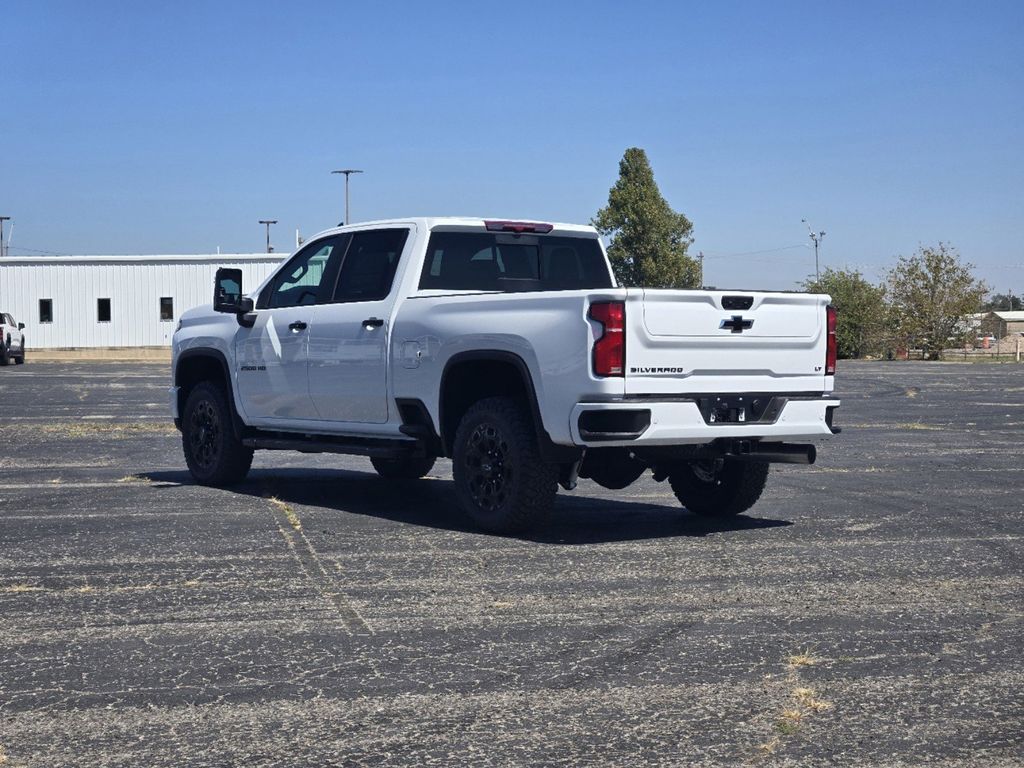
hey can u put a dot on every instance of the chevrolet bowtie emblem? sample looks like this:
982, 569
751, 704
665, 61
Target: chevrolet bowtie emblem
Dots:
737, 324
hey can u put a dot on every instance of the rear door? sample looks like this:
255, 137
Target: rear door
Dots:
682, 342
348, 343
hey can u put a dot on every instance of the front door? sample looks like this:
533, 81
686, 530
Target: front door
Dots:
348, 347
272, 357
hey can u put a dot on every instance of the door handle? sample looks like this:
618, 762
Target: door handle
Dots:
373, 322
298, 325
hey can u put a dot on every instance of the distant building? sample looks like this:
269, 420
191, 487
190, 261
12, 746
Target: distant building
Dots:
1001, 324
69, 302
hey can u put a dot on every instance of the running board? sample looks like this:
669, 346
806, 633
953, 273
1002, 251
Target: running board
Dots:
375, 448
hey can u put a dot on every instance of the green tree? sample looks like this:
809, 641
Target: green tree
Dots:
1003, 302
861, 310
931, 294
648, 239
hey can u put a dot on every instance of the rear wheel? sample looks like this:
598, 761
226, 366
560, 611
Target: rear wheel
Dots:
5, 351
21, 358
500, 479
405, 468
212, 452
718, 489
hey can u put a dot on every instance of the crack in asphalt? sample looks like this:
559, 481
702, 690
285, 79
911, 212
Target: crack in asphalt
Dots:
305, 554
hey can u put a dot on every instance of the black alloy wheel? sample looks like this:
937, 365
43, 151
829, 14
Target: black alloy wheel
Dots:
213, 452
204, 435
502, 482
490, 470
718, 488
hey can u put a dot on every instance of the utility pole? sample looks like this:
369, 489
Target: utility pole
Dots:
268, 222
348, 172
817, 237
700, 263
3, 251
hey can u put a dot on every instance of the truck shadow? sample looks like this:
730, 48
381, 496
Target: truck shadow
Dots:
430, 503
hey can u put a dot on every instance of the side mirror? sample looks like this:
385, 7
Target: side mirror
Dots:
227, 291
21, 326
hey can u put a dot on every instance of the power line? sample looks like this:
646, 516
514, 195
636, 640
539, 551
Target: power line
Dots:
37, 250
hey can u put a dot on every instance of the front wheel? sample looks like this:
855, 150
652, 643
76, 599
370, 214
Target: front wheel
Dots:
5, 352
405, 468
20, 360
501, 480
718, 489
212, 452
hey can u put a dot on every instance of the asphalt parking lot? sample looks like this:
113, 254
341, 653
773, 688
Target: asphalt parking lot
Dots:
868, 611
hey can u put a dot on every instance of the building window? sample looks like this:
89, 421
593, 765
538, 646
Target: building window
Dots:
46, 310
166, 308
103, 310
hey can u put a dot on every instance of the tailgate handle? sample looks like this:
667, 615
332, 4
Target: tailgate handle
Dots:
737, 302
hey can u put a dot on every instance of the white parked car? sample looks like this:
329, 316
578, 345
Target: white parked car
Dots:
508, 347
12, 340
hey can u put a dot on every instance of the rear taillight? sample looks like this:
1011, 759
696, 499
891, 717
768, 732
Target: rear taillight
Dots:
610, 346
830, 348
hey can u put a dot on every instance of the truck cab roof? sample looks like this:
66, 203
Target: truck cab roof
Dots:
458, 222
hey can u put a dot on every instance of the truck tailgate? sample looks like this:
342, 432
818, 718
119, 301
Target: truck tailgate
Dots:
686, 342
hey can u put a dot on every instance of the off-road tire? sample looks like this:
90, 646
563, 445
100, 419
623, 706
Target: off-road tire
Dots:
405, 468
5, 352
212, 452
501, 481
731, 490
21, 358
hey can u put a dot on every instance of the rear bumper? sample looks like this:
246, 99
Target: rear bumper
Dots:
681, 422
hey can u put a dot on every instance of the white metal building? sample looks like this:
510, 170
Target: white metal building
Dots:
114, 301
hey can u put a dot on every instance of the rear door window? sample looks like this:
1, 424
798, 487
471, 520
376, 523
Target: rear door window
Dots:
369, 265
486, 261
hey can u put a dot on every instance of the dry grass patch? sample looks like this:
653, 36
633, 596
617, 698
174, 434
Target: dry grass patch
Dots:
800, 703
134, 479
289, 513
78, 429
806, 700
804, 658
19, 588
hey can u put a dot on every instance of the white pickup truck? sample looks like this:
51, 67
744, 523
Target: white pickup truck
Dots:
508, 347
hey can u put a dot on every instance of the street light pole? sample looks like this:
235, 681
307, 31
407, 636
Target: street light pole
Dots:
348, 172
817, 237
3, 251
268, 222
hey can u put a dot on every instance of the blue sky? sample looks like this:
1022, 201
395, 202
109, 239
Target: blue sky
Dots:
146, 128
